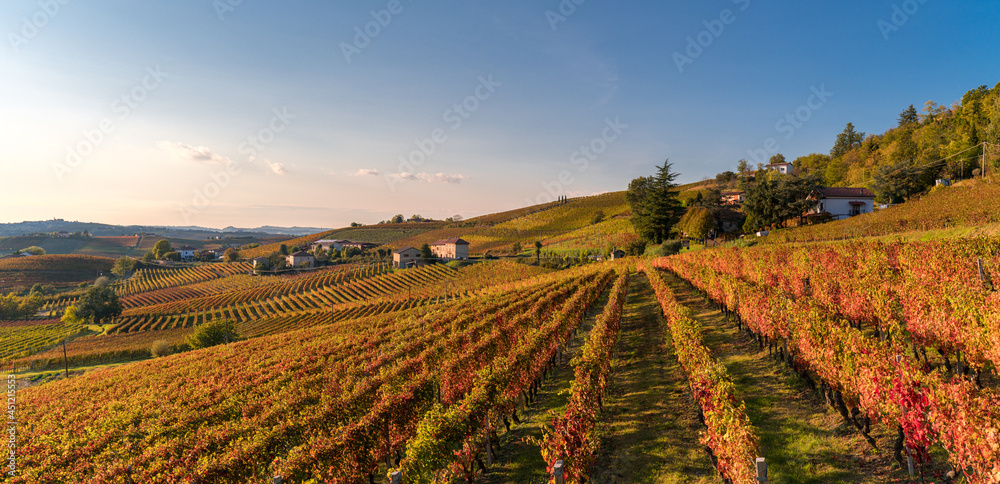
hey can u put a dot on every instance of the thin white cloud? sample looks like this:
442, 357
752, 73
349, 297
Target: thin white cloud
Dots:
366, 172
430, 177
198, 154
277, 168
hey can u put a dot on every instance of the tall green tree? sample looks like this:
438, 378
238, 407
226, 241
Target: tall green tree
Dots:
743, 167
161, 247
99, 304
654, 204
123, 266
893, 183
846, 141
698, 222
773, 200
538, 251
908, 116
426, 253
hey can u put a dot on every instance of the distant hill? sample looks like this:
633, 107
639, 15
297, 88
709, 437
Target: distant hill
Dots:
185, 232
577, 224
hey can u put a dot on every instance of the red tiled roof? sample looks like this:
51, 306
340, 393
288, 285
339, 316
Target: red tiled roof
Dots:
845, 192
301, 253
455, 241
404, 249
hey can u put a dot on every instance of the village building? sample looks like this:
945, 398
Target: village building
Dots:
300, 259
327, 244
405, 258
841, 202
187, 253
733, 197
358, 245
450, 249
784, 168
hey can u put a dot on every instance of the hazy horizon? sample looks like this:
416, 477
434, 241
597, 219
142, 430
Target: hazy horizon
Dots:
225, 113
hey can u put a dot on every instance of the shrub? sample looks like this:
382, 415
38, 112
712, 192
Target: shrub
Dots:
212, 333
670, 247
161, 348
33, 250
636, 248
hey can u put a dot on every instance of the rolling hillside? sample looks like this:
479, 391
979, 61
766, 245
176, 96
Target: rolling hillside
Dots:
966, 209
572, 225
58, 270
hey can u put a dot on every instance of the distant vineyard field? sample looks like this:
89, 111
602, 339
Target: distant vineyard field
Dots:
58, 270
20, 341
550, 223
95, 349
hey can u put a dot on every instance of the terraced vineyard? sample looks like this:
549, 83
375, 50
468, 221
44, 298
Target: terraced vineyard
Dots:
21, 338
150, 279
98, 349
315, 293
380, 375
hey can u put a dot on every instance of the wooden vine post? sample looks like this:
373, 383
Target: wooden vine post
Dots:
909, 455
65, 359
557, 472
761, 470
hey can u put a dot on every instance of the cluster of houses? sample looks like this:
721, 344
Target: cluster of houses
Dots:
833, 202
442, 250
330, 245
305, 258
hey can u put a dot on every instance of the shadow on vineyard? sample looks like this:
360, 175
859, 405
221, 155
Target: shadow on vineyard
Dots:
803, 439
519, 458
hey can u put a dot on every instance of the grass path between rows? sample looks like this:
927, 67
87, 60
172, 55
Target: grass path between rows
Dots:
803, 439
649, 430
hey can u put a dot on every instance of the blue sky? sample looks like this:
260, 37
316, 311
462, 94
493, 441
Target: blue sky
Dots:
247, 113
